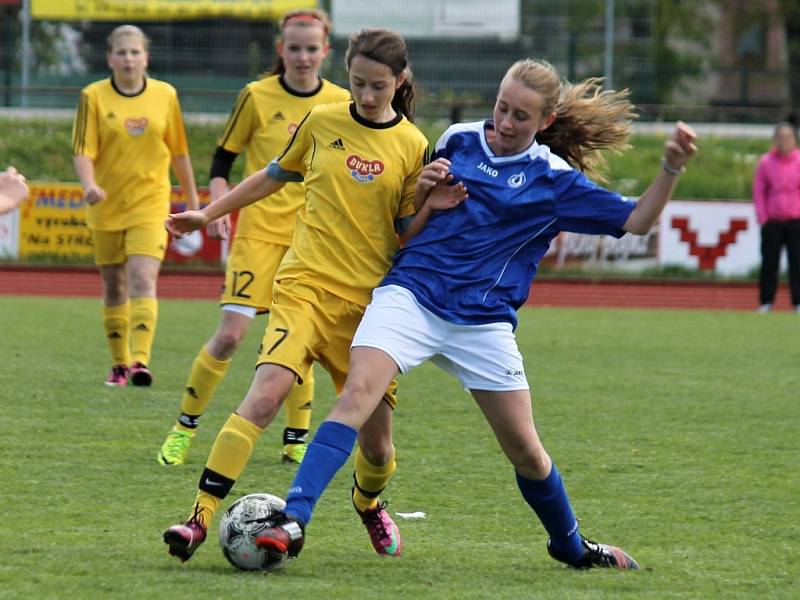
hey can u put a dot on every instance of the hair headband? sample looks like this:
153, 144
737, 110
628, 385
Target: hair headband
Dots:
303, 17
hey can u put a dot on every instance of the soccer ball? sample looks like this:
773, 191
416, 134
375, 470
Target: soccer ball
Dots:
189, 244
241, 524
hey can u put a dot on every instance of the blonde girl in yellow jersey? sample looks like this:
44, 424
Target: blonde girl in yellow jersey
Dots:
360, 162
128, 130
263, 119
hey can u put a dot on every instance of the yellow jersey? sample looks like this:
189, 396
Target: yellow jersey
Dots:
263, 119
359, 179
131, 139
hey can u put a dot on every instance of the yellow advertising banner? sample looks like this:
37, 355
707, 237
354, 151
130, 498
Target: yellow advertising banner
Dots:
162, 10
52, 221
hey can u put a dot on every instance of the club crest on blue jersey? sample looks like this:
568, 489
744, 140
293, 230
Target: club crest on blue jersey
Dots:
363, 170
517, 180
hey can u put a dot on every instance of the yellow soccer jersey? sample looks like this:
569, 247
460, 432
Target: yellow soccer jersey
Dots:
131, 140
265, 116
359, 179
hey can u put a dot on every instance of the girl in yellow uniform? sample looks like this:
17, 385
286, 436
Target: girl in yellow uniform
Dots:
128, 130
360, 162
264, 117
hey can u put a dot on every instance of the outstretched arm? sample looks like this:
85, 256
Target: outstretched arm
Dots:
678, 150
255, 187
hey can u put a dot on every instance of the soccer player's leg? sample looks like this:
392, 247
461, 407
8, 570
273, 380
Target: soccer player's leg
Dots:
284, 357
247, 291
115, 324
297, 414
369, 376
487, 361
510, 416
109, 256
208, 370
374, 466
229, 456
144, 247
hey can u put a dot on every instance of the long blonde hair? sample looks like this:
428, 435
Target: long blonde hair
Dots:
588, 118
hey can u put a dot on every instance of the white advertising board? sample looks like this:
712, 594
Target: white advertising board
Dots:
723, 237
429, 18
9, 235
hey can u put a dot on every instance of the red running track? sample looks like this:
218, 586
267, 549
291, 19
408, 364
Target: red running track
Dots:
85, 281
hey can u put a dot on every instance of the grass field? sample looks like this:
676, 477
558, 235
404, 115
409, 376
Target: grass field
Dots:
675, 432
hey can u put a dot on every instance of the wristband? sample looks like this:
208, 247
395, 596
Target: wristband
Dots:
670, 169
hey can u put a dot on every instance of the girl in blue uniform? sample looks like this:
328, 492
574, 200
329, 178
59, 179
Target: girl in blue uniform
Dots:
453, 291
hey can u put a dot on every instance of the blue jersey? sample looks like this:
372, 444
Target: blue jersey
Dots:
475, 264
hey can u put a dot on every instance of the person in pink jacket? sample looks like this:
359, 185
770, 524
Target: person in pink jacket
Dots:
776, 194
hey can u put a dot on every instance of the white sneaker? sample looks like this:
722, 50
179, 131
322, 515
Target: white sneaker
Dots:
765, 308
797, 308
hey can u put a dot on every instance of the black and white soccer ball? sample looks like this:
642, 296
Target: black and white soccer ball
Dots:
241, 524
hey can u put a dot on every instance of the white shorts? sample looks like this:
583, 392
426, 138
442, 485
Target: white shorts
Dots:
482, 357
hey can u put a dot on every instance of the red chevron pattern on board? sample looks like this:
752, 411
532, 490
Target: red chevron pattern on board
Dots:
206, 285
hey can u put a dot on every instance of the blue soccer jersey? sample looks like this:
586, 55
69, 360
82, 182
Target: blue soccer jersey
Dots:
474, 264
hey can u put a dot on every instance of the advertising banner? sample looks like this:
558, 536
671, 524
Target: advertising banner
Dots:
581, 251
160, 10
723, 237
720, 237
52, 224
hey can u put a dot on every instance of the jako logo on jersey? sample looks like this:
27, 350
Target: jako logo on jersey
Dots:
136, 127
517, 180
291, 128
363, 170
488, 170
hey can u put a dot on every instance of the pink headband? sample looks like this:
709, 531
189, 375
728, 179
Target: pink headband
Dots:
303, 17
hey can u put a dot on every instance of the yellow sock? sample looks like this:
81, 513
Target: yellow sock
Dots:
228, 458
115, 324
144, 314
205, 507
297, 411
206, 374
371, 480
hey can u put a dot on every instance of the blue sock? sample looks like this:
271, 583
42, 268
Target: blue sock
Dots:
548, 498
326, 454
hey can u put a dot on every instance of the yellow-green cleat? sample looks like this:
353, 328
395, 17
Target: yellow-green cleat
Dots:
293, 453
175, 447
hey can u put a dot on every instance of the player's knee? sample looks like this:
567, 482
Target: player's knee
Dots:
377, 449
358, 391
530, 460
142, 281
261, 404
225, 343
